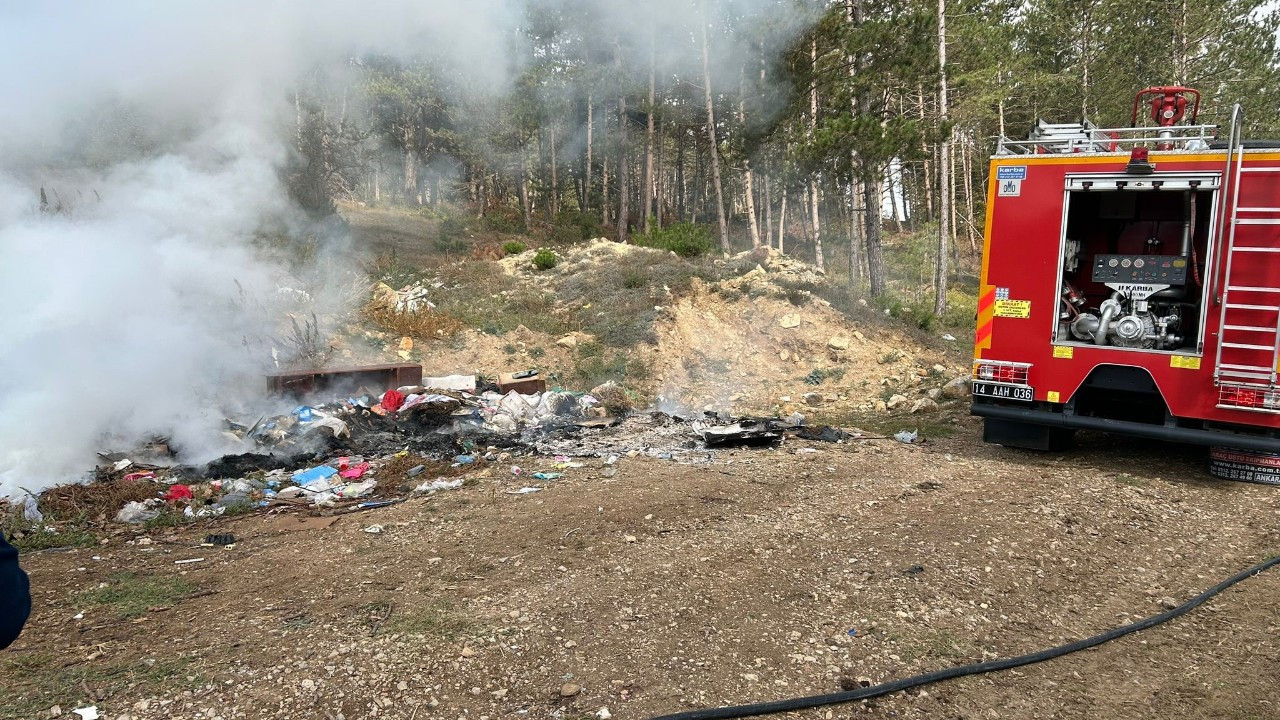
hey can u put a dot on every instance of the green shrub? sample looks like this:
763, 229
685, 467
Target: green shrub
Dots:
514, 247
684, 239
504, 220
544, 259
450, 240
572, 226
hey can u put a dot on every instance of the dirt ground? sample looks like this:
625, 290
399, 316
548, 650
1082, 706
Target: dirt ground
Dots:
765, 574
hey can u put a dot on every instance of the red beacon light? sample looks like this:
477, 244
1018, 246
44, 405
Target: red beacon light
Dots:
1139, 162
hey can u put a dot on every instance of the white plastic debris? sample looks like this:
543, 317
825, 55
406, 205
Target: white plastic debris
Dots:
30, 511
373, 529
87, 713
437, 485
338, 427
603, 713
524, 491
907, 437
355, 490
120, 466
135, 512
949, 337
464, 383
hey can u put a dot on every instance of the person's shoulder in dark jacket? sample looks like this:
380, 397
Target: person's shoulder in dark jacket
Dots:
15, 594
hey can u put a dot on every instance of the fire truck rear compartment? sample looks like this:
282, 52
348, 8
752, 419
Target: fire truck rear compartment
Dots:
1133, 264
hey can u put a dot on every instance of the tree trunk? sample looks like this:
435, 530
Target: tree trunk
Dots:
524, 197
944, 171
586, 183
682, 185
659, 178
555, 176
648, 193
410, 169
622, 170
782, 222
746, 177
711, 137
814, 197
875, 252
896, 193
855, 236
967, 169
768, 213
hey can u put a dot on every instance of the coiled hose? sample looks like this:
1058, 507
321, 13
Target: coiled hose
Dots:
778, 706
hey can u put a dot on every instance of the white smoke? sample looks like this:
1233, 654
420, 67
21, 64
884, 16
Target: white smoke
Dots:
159, 130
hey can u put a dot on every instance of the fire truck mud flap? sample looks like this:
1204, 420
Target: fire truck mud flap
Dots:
1255, 467
1006, 416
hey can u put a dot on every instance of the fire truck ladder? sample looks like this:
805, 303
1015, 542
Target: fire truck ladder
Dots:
1249, 326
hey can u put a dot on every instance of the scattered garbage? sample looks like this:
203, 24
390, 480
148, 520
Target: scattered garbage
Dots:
437, 485
744, 432
907, 437
87, 713
416, 470
373, 529
312, 476
137, 512
219, 540
188, 561
547, 475
178, 492
524, 491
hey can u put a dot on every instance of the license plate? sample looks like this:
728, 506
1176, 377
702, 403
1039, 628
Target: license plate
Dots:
1020, 393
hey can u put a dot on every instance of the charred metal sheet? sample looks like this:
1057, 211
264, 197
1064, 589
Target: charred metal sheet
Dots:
745, 432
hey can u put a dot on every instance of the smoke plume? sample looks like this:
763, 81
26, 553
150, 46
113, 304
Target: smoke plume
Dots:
139, 298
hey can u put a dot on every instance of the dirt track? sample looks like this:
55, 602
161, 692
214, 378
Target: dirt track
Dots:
669, 587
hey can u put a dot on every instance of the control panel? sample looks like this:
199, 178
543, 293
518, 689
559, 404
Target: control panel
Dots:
1162, 269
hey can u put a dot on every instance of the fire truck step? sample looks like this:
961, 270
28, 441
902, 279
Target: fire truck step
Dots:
1247, 346
1249, 328
1249, 288
1258, 209
1245, 371
1257, 221
1241, 306
1259, 169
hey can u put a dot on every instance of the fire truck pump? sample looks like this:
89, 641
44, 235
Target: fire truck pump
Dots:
1131, 267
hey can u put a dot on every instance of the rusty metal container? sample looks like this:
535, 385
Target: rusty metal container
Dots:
345, 379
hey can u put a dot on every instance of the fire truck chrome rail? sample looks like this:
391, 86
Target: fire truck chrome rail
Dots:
1082, 138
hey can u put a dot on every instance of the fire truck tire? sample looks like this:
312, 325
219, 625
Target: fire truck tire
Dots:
1244, 465
1029, 436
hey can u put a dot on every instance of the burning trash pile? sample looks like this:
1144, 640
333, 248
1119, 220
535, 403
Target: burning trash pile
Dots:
367, 449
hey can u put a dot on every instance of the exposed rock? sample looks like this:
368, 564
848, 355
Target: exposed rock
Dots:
813, 398
838, 343
383, 297
935, 394
568, 690
896, 401
923, 405
789, 321
858, 334
956, 389
568, 341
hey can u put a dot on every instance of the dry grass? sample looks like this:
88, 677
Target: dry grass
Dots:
88, 502
420, 324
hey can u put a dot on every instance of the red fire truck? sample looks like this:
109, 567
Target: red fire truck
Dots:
1131, 285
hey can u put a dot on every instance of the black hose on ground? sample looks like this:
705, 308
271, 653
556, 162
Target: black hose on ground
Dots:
778, 706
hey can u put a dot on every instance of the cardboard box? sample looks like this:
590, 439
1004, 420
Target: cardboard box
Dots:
526, 382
